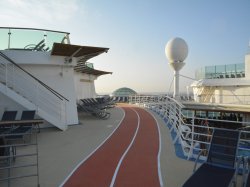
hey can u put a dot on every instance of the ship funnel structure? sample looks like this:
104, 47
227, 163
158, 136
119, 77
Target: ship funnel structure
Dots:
176, 51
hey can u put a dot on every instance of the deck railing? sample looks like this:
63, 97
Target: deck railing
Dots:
29, 38
221, 71
192, 135
19, 159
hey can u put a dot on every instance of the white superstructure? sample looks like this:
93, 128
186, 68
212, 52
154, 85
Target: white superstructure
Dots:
40, 70
223, 84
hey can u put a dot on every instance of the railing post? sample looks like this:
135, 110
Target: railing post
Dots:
9, 33
14, 77
64, 112
192, 138
37, 161
36, 96
10, 157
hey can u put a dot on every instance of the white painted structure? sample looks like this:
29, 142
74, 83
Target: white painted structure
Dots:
225, 84
84, 84
176, 51
41, 76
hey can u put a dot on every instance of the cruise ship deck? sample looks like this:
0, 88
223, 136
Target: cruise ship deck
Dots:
62, 153
65, 157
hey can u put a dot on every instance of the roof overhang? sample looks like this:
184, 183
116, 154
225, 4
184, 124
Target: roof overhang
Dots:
81, 68
83, 52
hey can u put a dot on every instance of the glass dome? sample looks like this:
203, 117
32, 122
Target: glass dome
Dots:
123, 92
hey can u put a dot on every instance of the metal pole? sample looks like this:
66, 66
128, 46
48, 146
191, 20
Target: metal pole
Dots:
37, 161
192, 141
176, 85
9, 33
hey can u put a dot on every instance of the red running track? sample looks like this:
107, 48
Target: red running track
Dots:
128, 158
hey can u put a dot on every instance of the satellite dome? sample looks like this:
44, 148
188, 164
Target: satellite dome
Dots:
176, 50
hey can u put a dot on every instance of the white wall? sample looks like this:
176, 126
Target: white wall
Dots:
84, 84
36, 57
60, 78
231, 94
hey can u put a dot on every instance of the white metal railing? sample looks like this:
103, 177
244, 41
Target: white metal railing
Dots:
35, 91
19, 159
206, 96
190, 133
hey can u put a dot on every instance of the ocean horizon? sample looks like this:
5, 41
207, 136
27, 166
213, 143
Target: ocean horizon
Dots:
151, 93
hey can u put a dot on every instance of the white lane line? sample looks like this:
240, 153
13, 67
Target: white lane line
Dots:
78, 165
159, 152
125, 153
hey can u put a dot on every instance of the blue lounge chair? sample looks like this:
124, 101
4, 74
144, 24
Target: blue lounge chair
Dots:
22, 129
7, 116
220, 168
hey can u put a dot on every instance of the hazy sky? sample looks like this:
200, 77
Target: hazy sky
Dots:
136, 31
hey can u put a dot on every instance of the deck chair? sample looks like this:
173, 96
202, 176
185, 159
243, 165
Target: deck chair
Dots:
7, 116
39, 45
19, 132
220, 168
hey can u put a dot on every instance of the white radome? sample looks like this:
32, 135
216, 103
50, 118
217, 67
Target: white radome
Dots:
176, 50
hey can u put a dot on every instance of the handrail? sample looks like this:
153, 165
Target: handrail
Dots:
193, 136
23, 28
61, 97
27, 159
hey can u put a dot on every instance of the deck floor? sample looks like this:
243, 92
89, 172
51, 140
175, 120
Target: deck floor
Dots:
127, 158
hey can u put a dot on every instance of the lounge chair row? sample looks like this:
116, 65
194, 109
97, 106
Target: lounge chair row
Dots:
121, 99
96, 106
222, 164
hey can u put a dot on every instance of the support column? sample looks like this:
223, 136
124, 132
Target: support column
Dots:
176, 85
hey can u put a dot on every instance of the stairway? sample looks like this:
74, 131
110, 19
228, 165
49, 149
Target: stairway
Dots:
31, 93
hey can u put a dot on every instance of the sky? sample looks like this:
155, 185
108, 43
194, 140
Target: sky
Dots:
136, 31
